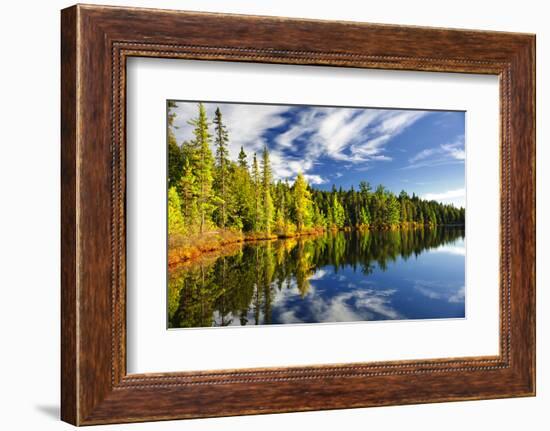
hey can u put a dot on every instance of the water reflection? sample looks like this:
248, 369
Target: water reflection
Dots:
335, 277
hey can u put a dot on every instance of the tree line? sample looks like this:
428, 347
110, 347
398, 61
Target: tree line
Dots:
208, 191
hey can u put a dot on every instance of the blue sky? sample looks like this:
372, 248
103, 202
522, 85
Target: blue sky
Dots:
413, 150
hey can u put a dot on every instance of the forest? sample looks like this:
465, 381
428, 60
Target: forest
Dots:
213, 200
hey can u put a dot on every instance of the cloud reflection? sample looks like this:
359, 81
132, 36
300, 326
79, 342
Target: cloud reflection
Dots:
440, 291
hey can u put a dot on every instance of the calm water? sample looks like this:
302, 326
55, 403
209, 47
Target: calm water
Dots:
336, 277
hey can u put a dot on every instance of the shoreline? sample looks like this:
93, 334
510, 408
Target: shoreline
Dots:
219, 240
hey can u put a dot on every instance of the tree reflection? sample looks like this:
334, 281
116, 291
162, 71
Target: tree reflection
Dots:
239, 288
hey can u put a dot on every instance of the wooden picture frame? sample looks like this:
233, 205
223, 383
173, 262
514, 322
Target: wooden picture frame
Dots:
95, 43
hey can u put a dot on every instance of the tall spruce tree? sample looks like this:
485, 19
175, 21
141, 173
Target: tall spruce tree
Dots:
202, 164
256, 181
222, 171
267, 201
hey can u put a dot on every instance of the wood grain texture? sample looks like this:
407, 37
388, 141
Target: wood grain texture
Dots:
96, 41
69, 366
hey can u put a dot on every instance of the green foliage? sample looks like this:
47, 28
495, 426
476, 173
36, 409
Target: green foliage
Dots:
202, 165
391, 215
267, 201
364, 216
175, 154
222, 165
176, 224
242, 159
257, 184
175, 161
303, 210
338, 213
188, 192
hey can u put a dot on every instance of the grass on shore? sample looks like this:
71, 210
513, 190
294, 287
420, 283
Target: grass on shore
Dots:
184, 248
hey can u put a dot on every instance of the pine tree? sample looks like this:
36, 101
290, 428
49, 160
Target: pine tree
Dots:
175, 155
267, 201
364, 216
392, 210
302, 203
188, 192
221, 140
318, 219
243, 197
242, 159
176, 223
338, 213
202, 164
256, 181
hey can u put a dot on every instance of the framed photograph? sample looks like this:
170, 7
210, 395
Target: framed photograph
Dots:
322, 214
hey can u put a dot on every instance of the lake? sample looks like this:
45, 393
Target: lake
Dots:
333, 277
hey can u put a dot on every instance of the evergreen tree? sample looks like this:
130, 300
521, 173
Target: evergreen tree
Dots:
267, 201
188, 192
202, 164
392, 210
242, 159
175, 219
243, 197
364, 217
222, 171
338, 213
175, 155
302, 203
256, 181
175, 161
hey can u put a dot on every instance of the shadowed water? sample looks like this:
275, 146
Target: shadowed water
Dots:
334, 277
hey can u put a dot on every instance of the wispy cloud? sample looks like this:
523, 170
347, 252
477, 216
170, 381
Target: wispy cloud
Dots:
343, 134
444, 154
358, 304
354, 135
450, 293
305, 134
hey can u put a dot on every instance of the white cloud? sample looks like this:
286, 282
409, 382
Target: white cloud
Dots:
450, 249
245, 123
355, 135
443, 155
446, 196
424, 154
319, 274
454, 150
358, 304
450, 293
458, 296
314, 179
